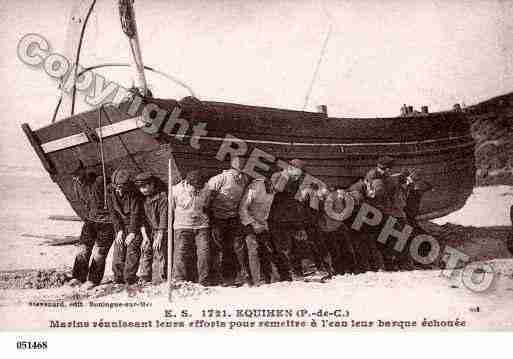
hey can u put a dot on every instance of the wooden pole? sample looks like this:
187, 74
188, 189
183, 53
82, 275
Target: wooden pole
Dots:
170, 216
102, 156
129, 26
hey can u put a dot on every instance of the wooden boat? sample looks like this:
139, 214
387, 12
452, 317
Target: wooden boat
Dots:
338, 151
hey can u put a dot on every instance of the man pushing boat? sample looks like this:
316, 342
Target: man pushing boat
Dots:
97, 232
125, 205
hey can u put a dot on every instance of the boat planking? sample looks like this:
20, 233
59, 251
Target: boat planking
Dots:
338, 151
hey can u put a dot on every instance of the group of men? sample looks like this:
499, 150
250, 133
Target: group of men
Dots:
129, 214
234, 230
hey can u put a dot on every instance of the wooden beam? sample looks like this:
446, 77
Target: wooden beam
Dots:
117, 128
105, 131
57, 217
54, 239
65, 142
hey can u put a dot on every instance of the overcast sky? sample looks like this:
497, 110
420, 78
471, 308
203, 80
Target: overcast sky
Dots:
379, 55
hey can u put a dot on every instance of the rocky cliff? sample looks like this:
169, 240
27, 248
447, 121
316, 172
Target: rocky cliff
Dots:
492, 128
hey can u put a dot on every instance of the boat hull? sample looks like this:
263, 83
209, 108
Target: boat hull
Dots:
337, 151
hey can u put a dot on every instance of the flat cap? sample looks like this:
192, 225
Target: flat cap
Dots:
385, 162
196, 176
298, 163
120, 176
403, 175
79, 168
143, 177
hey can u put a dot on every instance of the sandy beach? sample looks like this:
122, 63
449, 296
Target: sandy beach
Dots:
28, 197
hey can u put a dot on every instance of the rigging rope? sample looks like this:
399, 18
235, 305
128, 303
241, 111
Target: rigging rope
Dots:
161, 73
318, 65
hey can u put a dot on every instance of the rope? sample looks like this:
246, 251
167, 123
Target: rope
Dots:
77, 57
163, 74
313, 144
317, 67
54, 117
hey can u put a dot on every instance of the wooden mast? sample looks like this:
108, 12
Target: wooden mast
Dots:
129, 26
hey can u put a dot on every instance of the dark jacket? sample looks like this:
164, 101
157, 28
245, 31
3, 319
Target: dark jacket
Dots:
90, 194
287, 210
358, 191
415, 193
385, 189
156, 210
380, 184
126, 211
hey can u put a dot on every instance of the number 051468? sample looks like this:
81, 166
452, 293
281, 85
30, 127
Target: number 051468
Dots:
32, 345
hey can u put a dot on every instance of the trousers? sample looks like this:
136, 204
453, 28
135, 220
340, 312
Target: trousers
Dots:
94, 237
125, 261
191, 259
342, 252
287, 240
262, 254
154, 263
229, 259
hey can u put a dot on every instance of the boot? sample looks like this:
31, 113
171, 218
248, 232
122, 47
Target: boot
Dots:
88, 285
242, 279
74, 282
